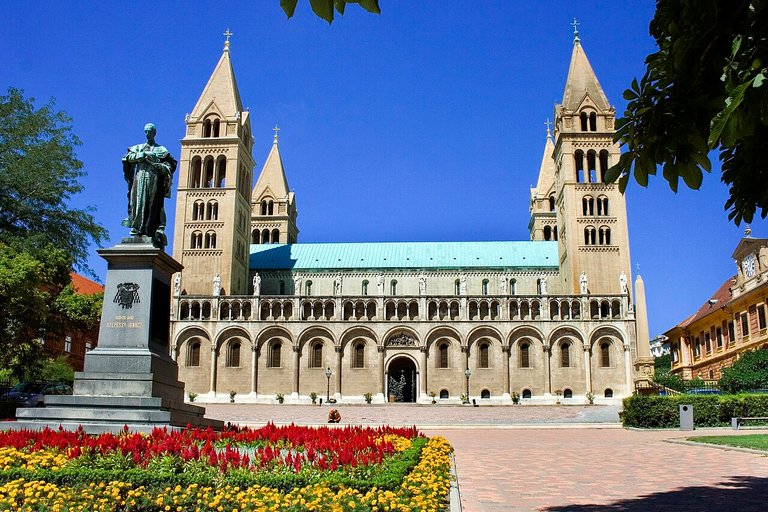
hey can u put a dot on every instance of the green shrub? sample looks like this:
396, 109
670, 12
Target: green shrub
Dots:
749, 372
57, 370
708, 410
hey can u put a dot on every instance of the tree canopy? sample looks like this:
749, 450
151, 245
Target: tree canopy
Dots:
39, 175
704, 89
748, 373
325, 8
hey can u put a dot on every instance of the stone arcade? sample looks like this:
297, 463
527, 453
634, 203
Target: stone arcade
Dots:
553, 315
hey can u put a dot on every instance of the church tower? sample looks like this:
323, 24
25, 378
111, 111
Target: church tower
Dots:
591, 215
214, 195
273, 204
543, 224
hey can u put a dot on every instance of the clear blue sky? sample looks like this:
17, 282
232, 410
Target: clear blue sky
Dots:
449, 98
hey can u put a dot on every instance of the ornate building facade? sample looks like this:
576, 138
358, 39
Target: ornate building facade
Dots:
259, 314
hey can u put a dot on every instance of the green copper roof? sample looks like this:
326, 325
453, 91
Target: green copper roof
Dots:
383, 255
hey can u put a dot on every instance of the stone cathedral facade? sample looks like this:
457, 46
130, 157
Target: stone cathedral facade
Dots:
257, 313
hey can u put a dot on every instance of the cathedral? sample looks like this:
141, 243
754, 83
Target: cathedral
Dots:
258, 316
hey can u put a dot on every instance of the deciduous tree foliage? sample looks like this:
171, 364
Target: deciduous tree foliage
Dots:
704, 89
749, 373
324, 8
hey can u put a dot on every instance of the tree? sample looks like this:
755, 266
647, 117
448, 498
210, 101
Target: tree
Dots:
749, 372
324, 8
704, 89
39, 174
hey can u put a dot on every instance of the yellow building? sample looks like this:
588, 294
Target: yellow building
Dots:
730, 322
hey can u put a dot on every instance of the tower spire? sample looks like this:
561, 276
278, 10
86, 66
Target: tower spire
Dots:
575, 24
229, 34
548, 123
275, 129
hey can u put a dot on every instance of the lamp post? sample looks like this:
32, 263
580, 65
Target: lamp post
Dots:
468, 373
328, 373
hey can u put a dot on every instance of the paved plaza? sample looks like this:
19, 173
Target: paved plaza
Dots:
560, 459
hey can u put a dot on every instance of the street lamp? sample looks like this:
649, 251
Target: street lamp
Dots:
468, 373
328, 391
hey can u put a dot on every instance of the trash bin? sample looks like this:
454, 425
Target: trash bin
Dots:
686, 417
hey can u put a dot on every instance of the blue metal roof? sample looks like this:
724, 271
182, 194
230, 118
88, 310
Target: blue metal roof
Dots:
388, 255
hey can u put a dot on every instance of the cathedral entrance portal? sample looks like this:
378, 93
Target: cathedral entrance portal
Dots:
401, 380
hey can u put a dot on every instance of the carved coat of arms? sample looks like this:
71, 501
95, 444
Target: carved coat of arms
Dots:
127, 295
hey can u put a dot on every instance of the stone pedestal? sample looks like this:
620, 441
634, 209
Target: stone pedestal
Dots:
130, 378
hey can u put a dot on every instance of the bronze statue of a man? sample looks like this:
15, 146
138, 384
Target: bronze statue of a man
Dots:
148, 168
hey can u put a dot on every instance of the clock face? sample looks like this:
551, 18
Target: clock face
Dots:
748, 265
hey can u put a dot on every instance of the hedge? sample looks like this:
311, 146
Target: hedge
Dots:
708, 410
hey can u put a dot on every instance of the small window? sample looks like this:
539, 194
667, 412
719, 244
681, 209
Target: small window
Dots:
359, 360
484, 348
525, 355
316, 361
731, 333
233, 355
719, 337
68, 343
393, 287
526, 393
443, 354
567, 393
513, 286
551, 203
485, 287
275, 355
308, 288
193, 354
485, 394
744, 325
761, 316
565, 355
365, 287
444, 394
457, 287
608, 393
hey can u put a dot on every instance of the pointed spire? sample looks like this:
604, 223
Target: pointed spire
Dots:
221, 88
576, 39
229, 34
547, 169
582, 81
272, 177
549, 124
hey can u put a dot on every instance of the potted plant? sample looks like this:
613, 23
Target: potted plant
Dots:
313, 396
558, 393
280, 398
192, 396
591, 398
433, 395
464, 398
515, 398
368, 397
232, 396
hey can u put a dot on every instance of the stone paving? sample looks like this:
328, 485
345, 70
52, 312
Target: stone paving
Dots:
561, 459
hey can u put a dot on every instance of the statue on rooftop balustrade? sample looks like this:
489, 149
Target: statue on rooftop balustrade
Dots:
148, 169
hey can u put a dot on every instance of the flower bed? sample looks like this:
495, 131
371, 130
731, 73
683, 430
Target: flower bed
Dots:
271, 468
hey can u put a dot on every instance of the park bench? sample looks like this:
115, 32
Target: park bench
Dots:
738, 420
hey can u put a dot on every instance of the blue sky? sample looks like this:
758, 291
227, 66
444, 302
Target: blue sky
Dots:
446, 97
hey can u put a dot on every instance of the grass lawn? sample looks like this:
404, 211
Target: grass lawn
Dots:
753, 441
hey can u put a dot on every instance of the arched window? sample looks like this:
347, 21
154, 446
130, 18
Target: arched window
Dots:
547, 233
583, 118
233, 354
265, 236
605, 354
602, 206
588, 206
195, 172
221, 172
197, 210
457, 287
603, 163
484, 359
578, 158
525, 355
589, 235
193, 354
212, 211
196, 241
592, 122
513, 286
567, 393
565, 355
210, 240
208, 173
275, 355
216, 126
316, 360
592, 166
359, 359
485, 287
444, 394
485, 394
526, 393
608, 393
365, 287
255, 237
442, 350
393, 287
605, 235
554, 233
308, 288
551, 203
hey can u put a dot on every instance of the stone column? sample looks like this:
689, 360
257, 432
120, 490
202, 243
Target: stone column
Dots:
382, 386
254, 368
506, 352
296, 368
213, 370
423, 371
547, 371
587, 369
339, 364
